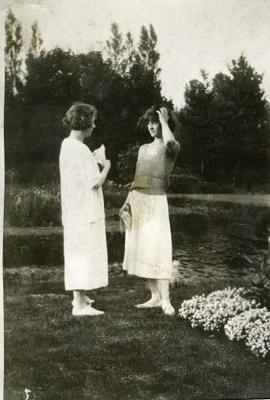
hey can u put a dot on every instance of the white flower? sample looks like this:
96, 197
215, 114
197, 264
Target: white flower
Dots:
240, 318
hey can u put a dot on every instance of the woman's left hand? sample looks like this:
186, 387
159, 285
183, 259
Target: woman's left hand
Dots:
125, 207
163, 115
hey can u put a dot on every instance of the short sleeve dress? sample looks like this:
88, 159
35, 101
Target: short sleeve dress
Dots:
148, 244
83, 218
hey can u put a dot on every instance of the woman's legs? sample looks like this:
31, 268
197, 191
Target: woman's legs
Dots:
163, 289
80, 298
155, 296
160, 296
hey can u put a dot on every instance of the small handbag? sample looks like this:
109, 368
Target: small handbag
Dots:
125, 218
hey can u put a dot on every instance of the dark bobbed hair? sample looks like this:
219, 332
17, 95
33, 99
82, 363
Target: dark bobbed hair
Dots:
151, 115
79, 116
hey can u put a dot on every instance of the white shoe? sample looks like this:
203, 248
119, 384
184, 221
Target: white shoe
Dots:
86, 310
87, 300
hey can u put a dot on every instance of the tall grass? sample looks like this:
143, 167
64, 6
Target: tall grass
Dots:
27, 206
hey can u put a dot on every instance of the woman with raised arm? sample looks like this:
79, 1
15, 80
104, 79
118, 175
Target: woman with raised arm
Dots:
148, 244
83, 218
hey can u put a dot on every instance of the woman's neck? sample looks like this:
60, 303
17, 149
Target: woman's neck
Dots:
77, 135
157, 141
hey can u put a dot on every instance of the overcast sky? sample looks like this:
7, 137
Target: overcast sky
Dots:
192, 34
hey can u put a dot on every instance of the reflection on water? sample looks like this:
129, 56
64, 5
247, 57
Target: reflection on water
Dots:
212, 249
208, 246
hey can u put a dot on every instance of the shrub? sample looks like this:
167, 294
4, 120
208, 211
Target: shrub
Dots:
38, 174
127, 162
32, 206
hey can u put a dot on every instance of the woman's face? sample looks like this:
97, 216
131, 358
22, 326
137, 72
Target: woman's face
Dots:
89, 131
154, 128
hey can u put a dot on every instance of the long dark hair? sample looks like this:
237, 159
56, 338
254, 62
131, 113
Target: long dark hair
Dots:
151, 115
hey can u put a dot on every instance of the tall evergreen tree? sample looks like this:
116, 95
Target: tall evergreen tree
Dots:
226, 129
197, 125
36, 41
115, 50
240, 114
144, 74
13, 57
147, 49
129, 54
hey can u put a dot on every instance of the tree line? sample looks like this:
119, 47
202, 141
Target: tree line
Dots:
224, 122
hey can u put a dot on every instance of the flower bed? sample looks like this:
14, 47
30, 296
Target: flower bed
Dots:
254, 327
228, 309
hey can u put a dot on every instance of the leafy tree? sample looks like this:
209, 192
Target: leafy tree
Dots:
143, 81
147, 49
135, 79
126, 163
116, 50
13, 57
52, 78
13, 86
130, 54
36, 41
226, 129
121, 88
197, 132
51, 85
240, 114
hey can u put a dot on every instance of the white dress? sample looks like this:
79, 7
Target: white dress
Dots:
83, 218
148, 244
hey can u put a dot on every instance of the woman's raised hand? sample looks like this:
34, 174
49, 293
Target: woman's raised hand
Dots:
163, 115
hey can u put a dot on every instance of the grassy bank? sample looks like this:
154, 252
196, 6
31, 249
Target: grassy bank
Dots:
125, 354
30, 206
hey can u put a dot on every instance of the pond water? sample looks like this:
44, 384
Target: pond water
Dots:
217, 259
213, 247
208, 246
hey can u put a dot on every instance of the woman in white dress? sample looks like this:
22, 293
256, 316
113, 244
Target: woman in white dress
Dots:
148, 245
83, 217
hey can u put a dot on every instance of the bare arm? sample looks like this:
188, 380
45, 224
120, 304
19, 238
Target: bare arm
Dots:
168, 137
125, 206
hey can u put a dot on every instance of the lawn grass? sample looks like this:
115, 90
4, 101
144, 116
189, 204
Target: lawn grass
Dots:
125, 354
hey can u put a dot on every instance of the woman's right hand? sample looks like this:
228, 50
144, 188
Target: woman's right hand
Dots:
103, 174
107, 164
